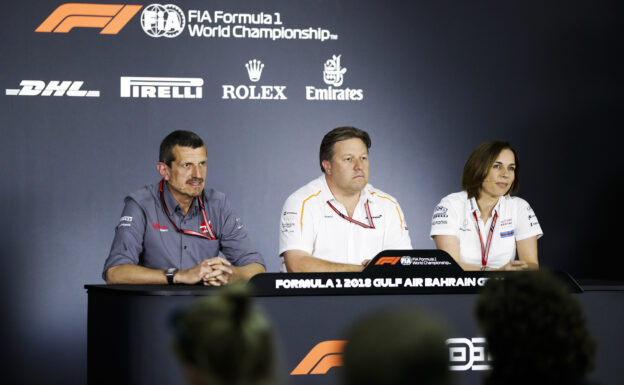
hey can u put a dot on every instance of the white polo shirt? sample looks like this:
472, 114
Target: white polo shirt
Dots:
308, 223
516, 221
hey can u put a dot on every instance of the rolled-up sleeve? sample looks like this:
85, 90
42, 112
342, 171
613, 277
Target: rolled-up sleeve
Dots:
128, 241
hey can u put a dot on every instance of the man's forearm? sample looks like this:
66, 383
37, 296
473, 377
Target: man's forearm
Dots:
135, 274
244, 273
310, 264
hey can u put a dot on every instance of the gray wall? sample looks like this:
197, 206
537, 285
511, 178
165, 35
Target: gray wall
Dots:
438, 79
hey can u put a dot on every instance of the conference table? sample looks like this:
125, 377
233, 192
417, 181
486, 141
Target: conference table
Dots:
129, 334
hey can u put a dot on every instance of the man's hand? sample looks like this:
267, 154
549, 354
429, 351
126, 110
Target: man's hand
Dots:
213, 272
216, 271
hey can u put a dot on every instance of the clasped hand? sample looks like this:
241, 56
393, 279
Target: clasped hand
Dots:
213, 272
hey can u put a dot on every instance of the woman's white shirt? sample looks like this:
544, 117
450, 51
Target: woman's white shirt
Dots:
516, 221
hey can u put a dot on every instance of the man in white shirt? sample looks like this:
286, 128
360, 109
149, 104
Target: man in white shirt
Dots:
338, 222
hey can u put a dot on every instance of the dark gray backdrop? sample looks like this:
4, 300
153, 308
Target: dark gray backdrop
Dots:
438, 79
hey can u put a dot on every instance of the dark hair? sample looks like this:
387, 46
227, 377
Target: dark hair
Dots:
227, 339
530, 319
326, 151
479, 164
396, 347
177, 138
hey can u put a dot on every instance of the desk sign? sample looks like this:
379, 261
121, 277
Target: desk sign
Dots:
390, 272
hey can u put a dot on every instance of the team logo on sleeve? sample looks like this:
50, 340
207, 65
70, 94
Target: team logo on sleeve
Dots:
532, 218
440, 209
125, 221
439, 213
288, 222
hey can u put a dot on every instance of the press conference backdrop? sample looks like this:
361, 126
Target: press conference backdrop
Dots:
90, 90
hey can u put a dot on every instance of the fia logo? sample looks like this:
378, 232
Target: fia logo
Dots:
162, 20
333, 74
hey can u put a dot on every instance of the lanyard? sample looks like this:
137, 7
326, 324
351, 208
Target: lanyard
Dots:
370, 225
205, 229
485, 250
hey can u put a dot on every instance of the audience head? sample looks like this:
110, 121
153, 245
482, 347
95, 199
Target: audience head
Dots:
396, 347
535, 330
223, 339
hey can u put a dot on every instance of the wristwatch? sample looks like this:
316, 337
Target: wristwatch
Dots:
170, 273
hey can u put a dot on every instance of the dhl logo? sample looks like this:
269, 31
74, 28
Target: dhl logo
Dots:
111, 18
324, 356
388, 261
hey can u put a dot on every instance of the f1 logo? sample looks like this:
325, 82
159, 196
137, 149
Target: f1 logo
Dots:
387, 261
111, 18
464, 354
324, 356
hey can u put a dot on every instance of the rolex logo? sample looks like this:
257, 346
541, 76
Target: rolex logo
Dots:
254, 69
253, 92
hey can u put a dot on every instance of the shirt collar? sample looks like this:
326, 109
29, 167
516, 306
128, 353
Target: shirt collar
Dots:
475, 207
172, 203
327, 195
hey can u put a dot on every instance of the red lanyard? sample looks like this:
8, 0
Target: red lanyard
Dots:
206, 229
370, 225
485, 250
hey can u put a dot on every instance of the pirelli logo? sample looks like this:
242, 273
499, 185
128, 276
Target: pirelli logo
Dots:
168, 88
110, 18
324, 356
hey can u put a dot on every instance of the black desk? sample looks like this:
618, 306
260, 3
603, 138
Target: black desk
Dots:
128, 336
